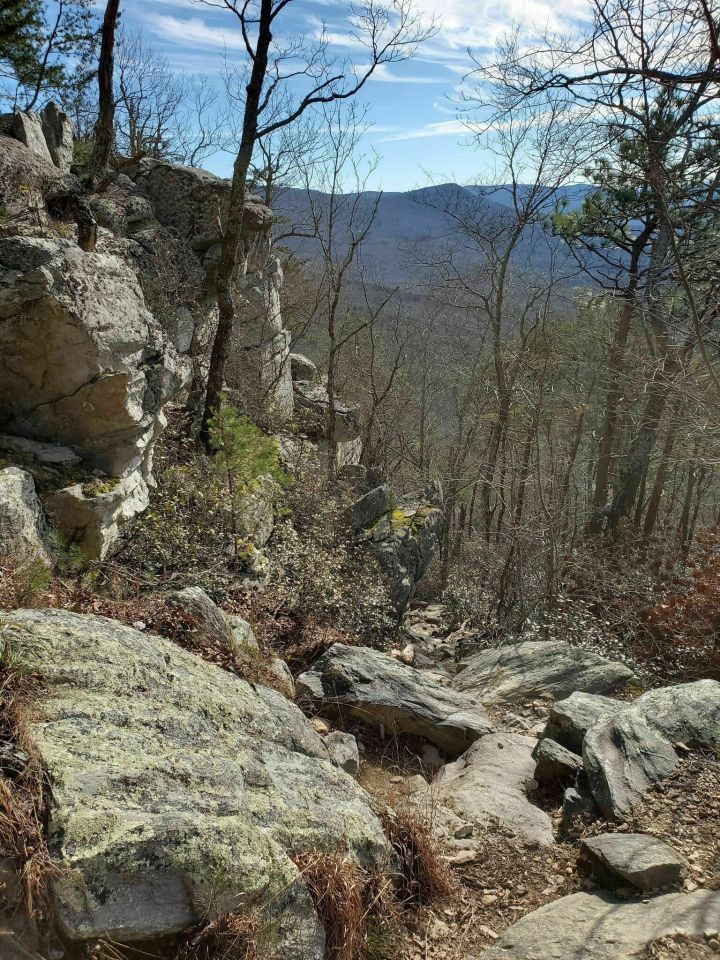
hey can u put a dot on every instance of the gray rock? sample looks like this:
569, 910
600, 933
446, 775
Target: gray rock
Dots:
404, 541
570, 719
576, 803
28, 129
243, 634
91, 516
534, 668
487, 784
48, 453
285, 680
311, 399
58, 131
380, 690
555, 763
588, 926
370, 507
644, 861
82, 360
343, 750
213, 620
302, 367
627, 753
23, 530
179, 790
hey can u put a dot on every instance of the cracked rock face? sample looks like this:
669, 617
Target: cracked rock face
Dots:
82, 361
179, 791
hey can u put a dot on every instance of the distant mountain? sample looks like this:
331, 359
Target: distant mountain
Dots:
419, 228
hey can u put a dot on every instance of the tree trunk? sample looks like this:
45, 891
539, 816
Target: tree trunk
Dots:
653, 506
102, 148
612, 403
232, 237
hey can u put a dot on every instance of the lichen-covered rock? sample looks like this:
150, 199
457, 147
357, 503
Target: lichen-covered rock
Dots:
82, 360
25, 177
626, 753
371, 507
535, 668
379, 690
644, 861
91, 515
179, 791
23, 531
488, 784
403, 538
591, 926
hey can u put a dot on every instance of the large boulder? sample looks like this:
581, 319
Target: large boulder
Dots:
179, 791
588, 926
627, 753
82, 360
402, 533
536, 668
645, 862
488, 785
23, 531
379, 690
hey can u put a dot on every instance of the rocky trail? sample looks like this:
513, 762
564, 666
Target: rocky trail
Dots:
168, 787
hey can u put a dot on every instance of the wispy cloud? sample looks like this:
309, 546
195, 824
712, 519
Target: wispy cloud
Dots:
441, 128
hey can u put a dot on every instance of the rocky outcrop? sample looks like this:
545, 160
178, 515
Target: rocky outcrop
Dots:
58, 132
82, 360
179, 791
488, 785
302, 367
643, 861
536, 668
83, 363
626, 753
586, 926
402, 533
311, 407
379, 690
23, 531
193, 204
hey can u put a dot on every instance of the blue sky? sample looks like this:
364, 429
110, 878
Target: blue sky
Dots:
415, 129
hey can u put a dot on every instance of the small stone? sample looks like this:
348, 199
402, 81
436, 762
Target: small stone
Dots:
555, 763
488, 899
343, 751
464, 832
320, 726
463, 856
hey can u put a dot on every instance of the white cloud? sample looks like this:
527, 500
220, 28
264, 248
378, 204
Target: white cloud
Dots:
441, 128
193, 32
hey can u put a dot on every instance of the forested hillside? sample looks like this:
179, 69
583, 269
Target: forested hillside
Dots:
359, 549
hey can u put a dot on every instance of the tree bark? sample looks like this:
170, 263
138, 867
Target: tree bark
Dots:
102, 148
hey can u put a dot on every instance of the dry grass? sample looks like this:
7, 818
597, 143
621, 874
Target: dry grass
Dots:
337, 887
232, 936
423, 875
23, 804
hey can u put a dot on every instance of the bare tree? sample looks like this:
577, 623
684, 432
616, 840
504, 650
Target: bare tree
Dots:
389, 33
